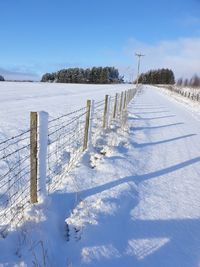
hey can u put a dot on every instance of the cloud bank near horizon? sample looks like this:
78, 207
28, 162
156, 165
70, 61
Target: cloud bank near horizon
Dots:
19, 75
181, 55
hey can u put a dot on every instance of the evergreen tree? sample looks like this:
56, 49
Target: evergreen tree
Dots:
98, 75
160, 76
104, 76
48, 77
2, 78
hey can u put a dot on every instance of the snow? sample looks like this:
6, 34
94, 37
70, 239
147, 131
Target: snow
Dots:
133, 200
19, 98
192, 105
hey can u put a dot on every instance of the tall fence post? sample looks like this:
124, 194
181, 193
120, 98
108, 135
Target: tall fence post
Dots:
132, 93
105, 117
121, 101
125, 96
33, 156
42, 153
87, 123
128, 98
115, 107
91, 124
109, 115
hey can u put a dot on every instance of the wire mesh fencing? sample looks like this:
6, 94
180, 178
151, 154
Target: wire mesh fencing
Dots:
97, 119
65, 144
24, 164
14, 179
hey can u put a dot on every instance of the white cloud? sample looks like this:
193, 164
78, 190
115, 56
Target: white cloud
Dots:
181, 55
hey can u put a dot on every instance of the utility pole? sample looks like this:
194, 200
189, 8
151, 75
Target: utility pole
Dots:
139, 57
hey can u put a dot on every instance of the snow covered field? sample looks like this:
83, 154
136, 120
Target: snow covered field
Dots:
18, 99
132, 201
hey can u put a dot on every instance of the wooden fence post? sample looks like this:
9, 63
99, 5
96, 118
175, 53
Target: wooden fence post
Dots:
121, 101
91, 123
125, 96
129, 98
87, 124
33, 156
105, 112
115, 107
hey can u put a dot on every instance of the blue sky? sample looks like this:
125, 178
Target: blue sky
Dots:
39, 36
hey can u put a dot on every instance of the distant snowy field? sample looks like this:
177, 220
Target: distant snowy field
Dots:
17, 99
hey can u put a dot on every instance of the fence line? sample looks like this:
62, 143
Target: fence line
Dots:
32, 162
193, 94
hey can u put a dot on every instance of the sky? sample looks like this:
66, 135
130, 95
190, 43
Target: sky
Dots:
39, 36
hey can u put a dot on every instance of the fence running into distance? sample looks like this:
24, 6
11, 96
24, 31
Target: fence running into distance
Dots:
32, 163
192, 93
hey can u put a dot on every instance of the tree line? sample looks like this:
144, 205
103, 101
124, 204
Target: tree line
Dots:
193, 82
160, 76
1, 78
97, 75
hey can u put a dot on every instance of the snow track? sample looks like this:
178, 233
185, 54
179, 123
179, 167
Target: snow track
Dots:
145, 210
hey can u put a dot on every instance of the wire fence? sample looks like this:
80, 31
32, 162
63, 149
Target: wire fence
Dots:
68, 136
14, 179
191, 93
65, 143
